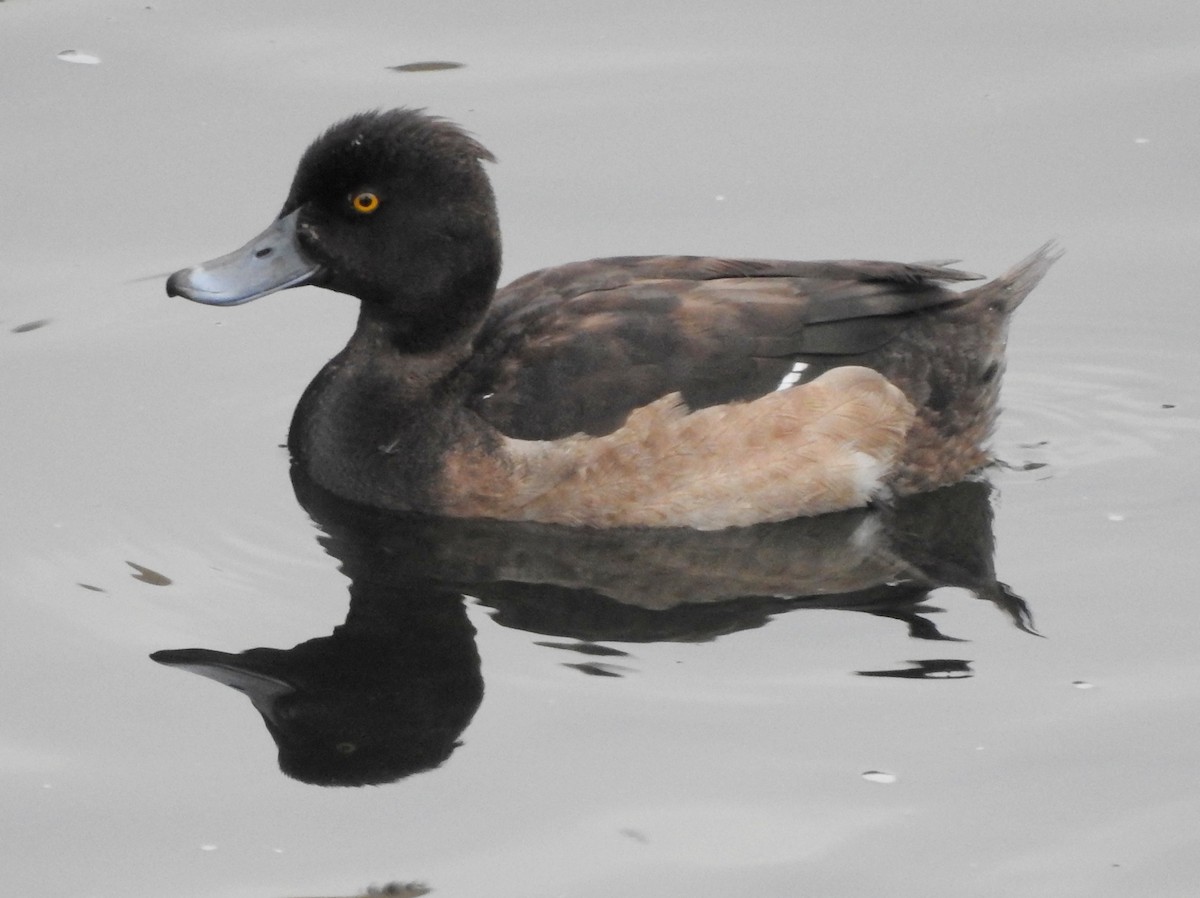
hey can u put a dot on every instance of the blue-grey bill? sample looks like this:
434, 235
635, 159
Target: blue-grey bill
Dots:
271, 262
263, 689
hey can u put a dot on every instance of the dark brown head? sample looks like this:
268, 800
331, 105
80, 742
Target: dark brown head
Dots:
391, 207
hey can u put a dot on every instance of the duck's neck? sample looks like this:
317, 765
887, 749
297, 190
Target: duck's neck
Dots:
381, 351
435, 297
377, 419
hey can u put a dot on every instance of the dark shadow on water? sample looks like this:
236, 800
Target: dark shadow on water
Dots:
391, 690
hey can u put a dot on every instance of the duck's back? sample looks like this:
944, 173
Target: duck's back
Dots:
575, 349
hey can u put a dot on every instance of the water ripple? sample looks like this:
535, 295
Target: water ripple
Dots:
1079, 415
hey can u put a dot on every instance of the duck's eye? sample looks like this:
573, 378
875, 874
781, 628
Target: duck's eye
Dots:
365, 202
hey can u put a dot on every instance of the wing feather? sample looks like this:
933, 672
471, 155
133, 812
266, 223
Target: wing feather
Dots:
575, 348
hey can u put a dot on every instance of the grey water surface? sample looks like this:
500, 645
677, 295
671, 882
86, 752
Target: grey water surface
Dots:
607, 724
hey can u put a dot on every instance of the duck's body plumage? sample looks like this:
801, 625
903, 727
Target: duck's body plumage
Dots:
632, 391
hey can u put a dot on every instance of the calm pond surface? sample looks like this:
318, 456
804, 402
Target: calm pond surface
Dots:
600, 715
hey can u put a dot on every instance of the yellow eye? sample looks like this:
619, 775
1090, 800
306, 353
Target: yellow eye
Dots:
364, 202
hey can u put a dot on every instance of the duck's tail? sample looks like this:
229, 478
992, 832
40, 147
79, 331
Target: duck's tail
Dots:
1007, 292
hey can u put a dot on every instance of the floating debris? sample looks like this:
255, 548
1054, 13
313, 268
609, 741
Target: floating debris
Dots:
1083, 684
929, 669
146, 575
1021, 466
30, 326
400, 890
426, 66
585, 648
80, 58
594, 669
879, 776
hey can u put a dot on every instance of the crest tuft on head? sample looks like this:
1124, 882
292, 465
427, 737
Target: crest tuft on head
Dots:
403, 142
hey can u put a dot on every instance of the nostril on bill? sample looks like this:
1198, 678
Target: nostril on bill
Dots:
263, 253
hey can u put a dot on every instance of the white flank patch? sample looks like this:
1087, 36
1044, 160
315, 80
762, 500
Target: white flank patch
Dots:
868, 475
792, 377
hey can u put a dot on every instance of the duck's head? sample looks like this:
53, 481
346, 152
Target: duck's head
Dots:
391, 207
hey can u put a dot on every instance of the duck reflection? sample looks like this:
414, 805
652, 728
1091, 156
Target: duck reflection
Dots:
390, 691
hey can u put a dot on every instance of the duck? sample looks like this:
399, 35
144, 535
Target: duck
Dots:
631, 391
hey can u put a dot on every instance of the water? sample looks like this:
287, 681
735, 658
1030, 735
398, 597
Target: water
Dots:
714, 748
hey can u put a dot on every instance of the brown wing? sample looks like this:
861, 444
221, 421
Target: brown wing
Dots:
576, 348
